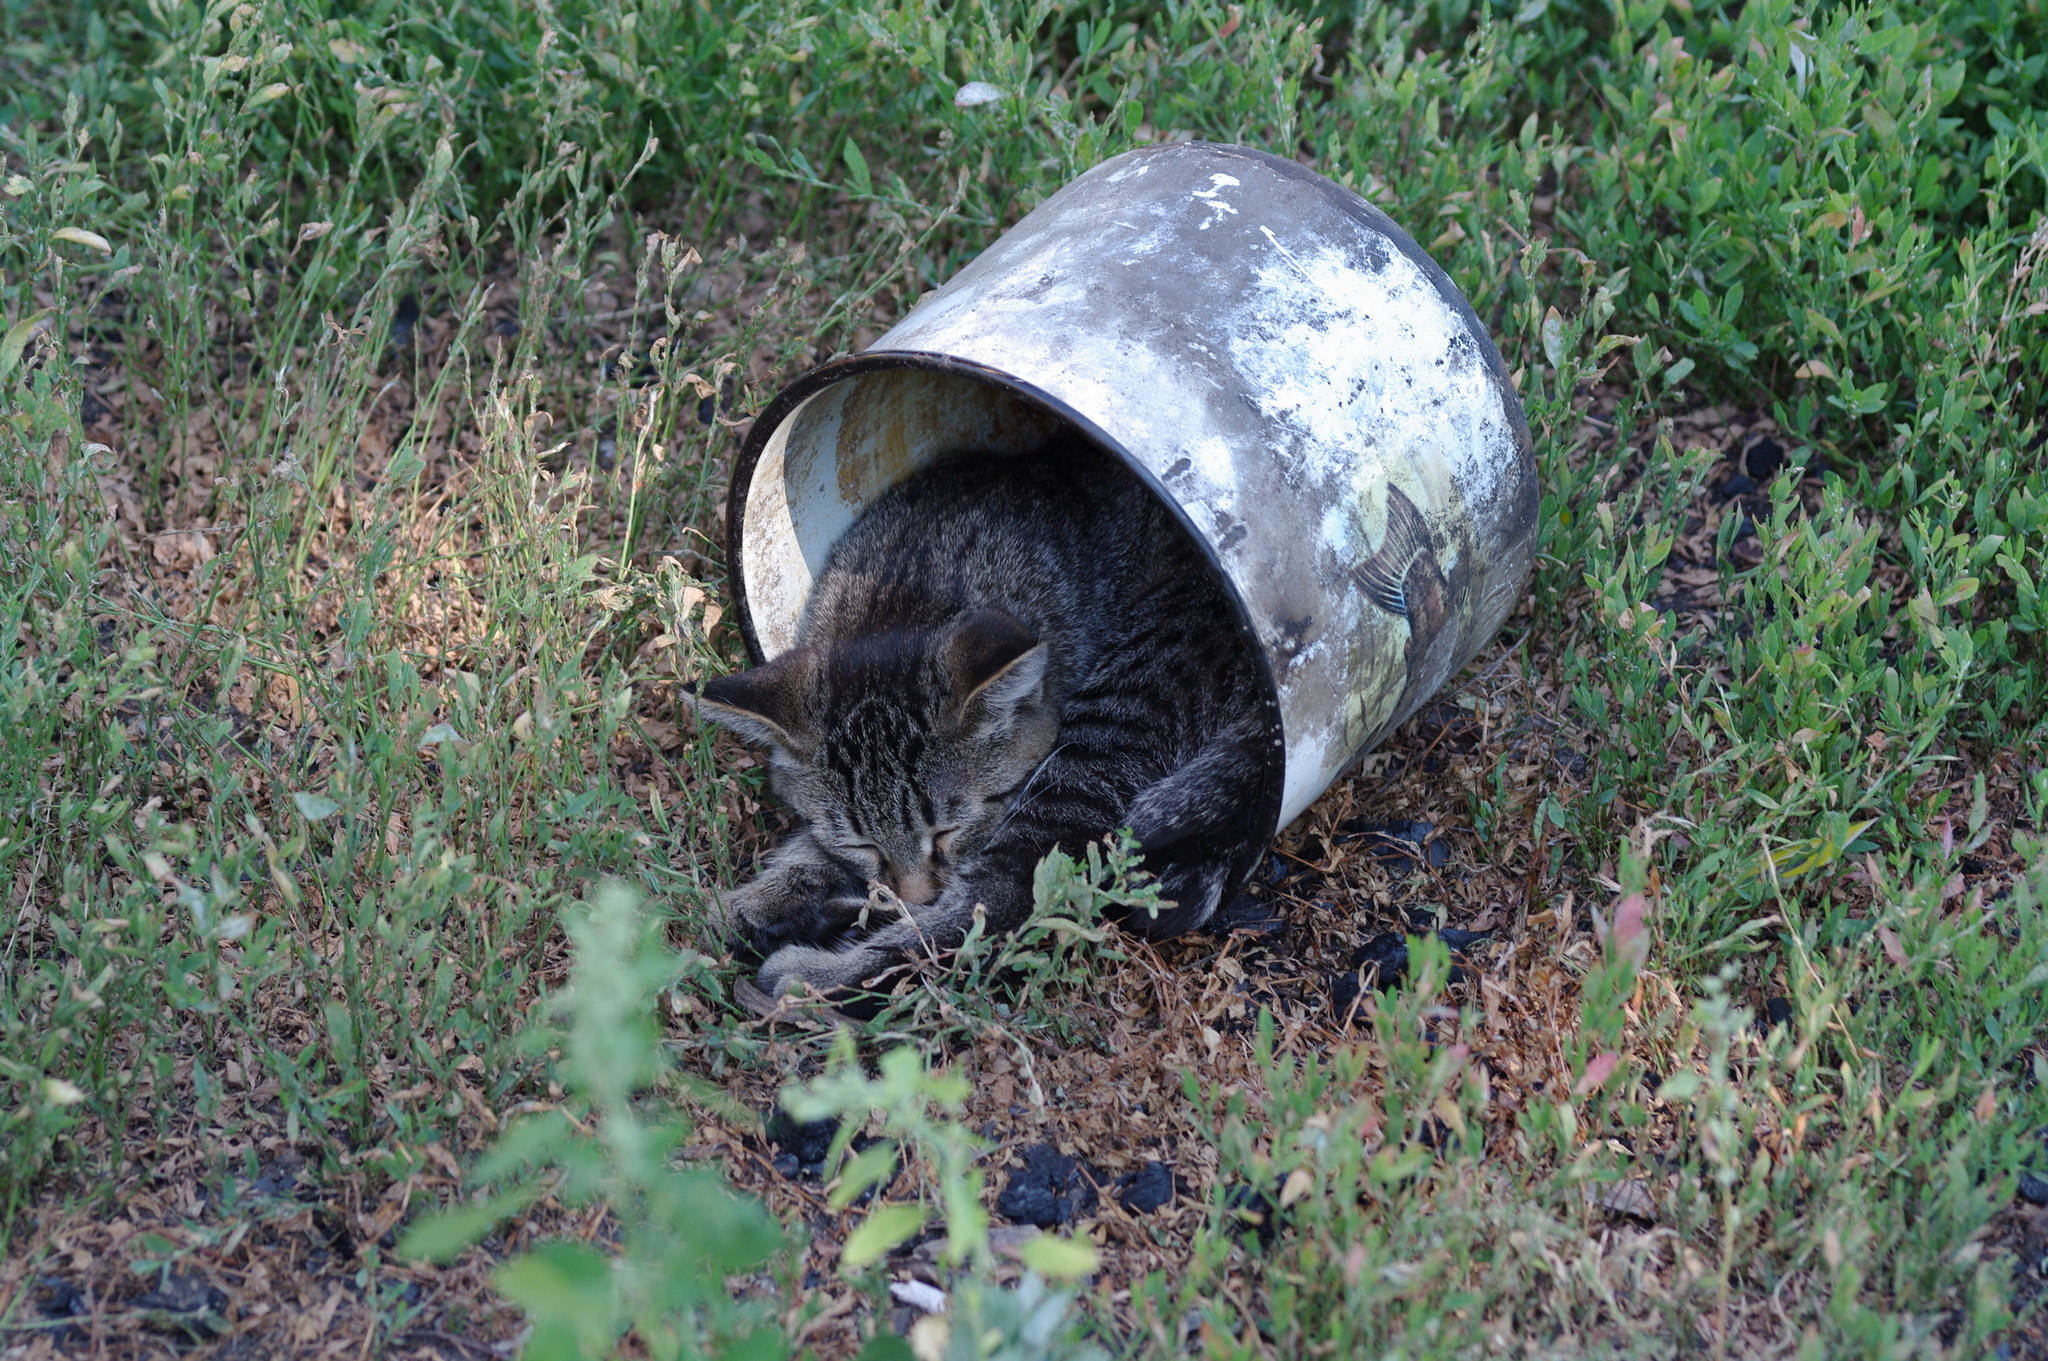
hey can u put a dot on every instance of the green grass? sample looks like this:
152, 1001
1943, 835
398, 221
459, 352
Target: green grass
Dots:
359, 518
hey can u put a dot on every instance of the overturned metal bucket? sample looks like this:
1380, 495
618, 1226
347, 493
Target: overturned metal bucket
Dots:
1275, 358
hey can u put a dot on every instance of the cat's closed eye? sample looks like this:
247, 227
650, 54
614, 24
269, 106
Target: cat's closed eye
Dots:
862, 853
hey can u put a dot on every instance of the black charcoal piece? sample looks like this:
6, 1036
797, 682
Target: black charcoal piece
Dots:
1253, 1213
1382, 962
809, 1141
67, 1301
403, 320
277, 1178
1247, 914
1777, 1012
1412, 830
181, 1294
1344, 992
1049, 1190
1400, 844
1764, 458
1738, 485
1387, 953
1148, 1188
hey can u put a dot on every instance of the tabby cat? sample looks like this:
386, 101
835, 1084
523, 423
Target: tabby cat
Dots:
1002, 655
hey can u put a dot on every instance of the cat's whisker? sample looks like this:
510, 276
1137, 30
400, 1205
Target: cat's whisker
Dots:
1025, 795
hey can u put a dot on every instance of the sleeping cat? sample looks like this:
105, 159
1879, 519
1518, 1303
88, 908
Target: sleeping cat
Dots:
1002, 656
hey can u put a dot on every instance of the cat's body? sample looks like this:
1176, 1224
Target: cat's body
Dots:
1002, 656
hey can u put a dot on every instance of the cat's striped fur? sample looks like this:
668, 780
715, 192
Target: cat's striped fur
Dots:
1003, 655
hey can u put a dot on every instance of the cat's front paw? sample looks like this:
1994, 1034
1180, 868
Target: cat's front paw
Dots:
774, 912
823, 971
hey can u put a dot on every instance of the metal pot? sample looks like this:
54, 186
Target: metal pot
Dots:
1275, 358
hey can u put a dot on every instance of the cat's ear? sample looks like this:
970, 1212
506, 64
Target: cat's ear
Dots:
765, 705
998, 666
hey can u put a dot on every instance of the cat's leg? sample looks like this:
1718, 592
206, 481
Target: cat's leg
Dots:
801, 894
997, 883
822, 969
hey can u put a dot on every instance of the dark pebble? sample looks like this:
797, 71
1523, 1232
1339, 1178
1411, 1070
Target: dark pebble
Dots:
1764, 458
507, 326
861, 1144
1463, 940
607, 451
706, 409
1738, 485
1049, 1190
2034, 1188
1972, 865
1777, 1012
1434, 1133
786, 1165
809, 1142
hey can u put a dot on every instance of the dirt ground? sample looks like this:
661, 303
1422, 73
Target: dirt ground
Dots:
293, 1262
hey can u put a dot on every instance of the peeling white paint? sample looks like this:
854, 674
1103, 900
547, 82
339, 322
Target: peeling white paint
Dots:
1218, 209
1360, 360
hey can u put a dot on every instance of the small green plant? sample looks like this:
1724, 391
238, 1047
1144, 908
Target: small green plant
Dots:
1015, 982
682, 1233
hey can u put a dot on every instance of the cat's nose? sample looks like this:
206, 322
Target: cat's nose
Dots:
917, 888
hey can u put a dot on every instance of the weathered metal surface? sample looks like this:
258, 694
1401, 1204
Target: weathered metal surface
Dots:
1274, 356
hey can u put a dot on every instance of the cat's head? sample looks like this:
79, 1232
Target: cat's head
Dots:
901, 750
